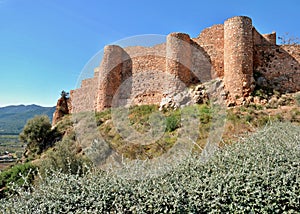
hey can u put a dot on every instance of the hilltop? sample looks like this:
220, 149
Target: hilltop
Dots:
206, 124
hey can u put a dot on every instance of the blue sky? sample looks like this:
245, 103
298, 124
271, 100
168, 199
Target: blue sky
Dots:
44, 44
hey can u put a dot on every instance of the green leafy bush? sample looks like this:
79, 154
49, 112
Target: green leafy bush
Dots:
172, 122
16, 176
64, 157
102, 116
38, 135
297, 98
257, 175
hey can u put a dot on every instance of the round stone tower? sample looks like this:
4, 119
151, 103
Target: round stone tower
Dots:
179, 56
110, 76
238, 57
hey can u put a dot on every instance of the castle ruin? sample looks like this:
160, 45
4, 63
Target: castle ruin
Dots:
234, 51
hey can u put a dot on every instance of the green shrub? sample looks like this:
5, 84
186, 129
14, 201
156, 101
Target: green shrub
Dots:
16, 176
38, 135
142, 110
103, 116
172, 122
64, 157
248, 118
64, 124
205, 113
139, 116
257, 175
297, 98
295, 115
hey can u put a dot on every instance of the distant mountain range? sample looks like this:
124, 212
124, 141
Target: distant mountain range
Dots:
13, 118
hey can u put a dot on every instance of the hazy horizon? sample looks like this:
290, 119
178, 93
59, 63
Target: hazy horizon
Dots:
26, 105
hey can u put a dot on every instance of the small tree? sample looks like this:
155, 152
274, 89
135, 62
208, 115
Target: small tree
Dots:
65, 157
64, 108
38, 135
65, 94
289, 40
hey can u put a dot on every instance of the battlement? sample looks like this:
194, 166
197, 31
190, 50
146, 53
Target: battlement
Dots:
234, 51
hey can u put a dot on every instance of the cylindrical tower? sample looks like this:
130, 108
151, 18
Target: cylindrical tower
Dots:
110, 76
179, 57
238, 56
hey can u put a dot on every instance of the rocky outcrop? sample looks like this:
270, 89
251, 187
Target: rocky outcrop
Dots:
212, 91
63, 107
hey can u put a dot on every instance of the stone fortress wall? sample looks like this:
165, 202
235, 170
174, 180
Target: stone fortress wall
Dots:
234, 51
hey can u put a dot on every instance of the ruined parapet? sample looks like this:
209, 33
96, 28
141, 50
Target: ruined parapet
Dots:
83, 98
278, 67
202, 69
271, 38
179, 57
110, 77
263, 39
212, 41
97, 71
238, 56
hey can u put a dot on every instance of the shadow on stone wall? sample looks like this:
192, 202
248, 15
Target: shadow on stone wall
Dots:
276, 67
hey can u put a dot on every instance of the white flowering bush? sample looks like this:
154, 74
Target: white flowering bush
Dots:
260, 174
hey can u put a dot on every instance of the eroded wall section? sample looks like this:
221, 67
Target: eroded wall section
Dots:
212, 41
277, 67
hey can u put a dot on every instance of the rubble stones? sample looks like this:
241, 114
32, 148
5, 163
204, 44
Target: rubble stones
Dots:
212, 91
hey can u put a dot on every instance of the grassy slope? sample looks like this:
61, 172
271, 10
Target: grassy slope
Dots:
239, 121
257, 175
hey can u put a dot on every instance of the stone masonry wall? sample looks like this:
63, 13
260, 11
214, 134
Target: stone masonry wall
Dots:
234, 51
263, 39
83, 98
212, 41
238, 56
112, 75
143, 75
277, 67
179, 57
146, 82
202, 69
